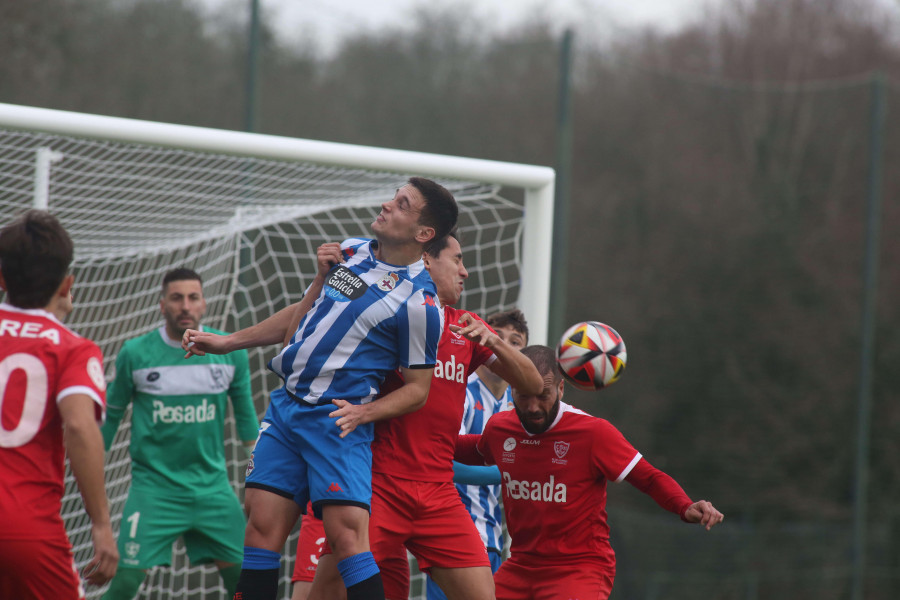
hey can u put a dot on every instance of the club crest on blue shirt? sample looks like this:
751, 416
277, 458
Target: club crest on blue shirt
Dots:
344, 285
388, 282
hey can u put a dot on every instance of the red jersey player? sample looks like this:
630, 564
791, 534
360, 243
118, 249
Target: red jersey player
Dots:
51, 396
310, 544
555, 461
415, 504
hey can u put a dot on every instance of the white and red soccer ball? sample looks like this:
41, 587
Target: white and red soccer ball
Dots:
591, 355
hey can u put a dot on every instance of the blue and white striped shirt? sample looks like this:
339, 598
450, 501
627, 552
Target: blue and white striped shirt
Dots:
483, 501
370, 318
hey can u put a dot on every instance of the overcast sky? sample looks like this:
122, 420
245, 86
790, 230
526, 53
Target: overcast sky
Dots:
328, 20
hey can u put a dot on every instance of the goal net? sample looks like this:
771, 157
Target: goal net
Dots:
247, 212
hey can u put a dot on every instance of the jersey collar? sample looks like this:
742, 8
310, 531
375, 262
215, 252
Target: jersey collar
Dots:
35, 312
169, 341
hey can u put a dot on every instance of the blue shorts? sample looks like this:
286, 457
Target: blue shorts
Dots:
300, 455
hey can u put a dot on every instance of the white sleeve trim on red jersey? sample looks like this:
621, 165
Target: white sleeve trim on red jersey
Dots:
87, 391
628, 469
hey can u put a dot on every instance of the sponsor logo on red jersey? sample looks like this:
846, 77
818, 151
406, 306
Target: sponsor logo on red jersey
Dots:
450, 370
536, 491
509, 444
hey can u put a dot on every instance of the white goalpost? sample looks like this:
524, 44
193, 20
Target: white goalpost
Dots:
247, 212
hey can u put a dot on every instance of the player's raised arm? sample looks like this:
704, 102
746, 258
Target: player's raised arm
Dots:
327, 255
265, 333
511, 364
276, 329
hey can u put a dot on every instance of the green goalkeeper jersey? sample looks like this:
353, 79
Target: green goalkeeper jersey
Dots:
178, 413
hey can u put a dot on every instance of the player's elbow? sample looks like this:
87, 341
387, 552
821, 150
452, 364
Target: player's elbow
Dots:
80, 430
79, 415
419, 399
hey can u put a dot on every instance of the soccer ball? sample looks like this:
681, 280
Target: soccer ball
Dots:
591, 355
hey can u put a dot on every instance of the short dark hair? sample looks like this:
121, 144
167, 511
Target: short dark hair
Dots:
544, 358
440, 210
436, 245
35, 254
180, 274
510, 318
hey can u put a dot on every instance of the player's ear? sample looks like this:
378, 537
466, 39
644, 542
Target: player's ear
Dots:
65, 288
425, 234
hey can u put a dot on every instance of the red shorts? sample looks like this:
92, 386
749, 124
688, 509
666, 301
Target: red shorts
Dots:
521, 580
309, 547
39, 569
429, 520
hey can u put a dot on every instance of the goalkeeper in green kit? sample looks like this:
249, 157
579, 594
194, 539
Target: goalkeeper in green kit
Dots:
179, 485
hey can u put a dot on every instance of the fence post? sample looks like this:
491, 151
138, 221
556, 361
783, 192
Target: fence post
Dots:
560, 251
869, 297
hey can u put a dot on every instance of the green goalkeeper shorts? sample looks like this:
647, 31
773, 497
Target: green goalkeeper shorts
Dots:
211, 525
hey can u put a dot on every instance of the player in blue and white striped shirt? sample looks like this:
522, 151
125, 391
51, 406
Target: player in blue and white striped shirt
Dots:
371, 309
479, 487
481, 496
371, 315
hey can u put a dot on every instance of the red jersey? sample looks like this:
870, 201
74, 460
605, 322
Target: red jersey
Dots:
419, 445
41, 362
554, 483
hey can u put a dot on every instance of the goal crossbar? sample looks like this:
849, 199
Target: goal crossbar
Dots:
537, 182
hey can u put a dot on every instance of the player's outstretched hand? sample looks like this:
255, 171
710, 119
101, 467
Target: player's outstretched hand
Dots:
703, 512
475, 330
328, 255
201, 342
348, 416
106, 556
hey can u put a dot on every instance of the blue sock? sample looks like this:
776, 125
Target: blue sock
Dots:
357, 568
257, 559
